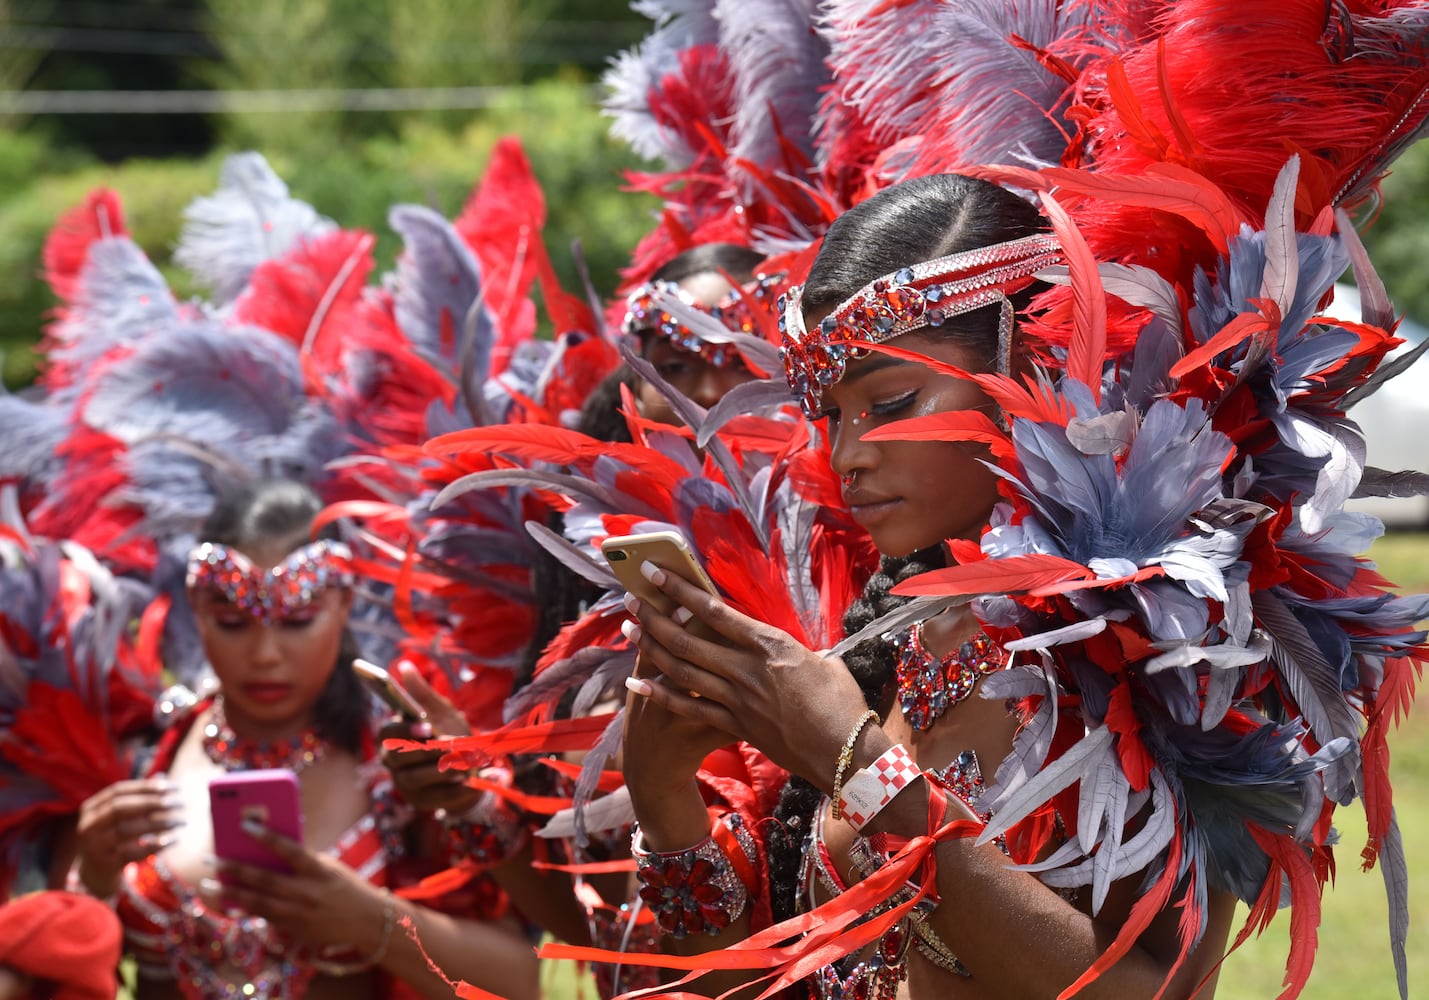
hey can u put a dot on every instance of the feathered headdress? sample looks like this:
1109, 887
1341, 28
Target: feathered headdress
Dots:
758, 503
73, 688
1172, 563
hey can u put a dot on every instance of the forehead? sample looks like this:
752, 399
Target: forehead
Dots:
708, 287
944, 349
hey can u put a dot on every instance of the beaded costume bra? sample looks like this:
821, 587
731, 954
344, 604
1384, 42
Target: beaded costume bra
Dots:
208, 954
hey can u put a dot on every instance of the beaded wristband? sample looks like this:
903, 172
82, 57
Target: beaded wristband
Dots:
846, 758
872, 788
691, 890
487, 834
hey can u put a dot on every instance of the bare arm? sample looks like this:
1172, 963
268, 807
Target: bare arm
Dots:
662, 755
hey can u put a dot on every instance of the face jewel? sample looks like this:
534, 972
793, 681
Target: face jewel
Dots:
743, 310
274, 594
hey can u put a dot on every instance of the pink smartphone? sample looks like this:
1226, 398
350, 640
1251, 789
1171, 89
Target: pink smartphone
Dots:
268, 796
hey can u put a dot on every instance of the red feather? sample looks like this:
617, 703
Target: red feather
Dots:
1305, 888
1015, 574
67, 246
1243, 327
956, 425
308, 296
1150, 903
1087, 351
502, 223
1164, 187
1036, 402
542, 443
1396, 693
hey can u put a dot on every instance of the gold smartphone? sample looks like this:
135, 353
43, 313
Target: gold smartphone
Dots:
385, 687
669, 551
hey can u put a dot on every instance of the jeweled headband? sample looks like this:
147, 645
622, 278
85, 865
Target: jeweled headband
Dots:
273, 594
736, 311
926, 294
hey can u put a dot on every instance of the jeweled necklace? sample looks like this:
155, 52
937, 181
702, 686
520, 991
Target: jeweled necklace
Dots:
233, 753
928, 686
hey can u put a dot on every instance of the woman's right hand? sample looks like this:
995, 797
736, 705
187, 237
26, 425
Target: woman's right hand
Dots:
127, 821
415, 773
662, 753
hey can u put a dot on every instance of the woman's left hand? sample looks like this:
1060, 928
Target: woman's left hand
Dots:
755, 681
322, 903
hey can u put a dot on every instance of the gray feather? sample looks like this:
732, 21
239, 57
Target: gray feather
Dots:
779, 73
248, 220
573, 558
1383, 483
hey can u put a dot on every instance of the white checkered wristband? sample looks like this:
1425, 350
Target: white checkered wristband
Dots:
866, 793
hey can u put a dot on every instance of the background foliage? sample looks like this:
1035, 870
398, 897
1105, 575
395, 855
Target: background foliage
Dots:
538, 59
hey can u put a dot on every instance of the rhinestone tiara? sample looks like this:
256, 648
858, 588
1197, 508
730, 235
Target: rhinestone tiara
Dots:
911, 298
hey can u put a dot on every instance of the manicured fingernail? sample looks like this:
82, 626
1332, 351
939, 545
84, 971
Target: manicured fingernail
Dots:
252, 826
630, 630
653, 573
638, 685
632, 603
682, 615
421, 730
156, 842
212, 886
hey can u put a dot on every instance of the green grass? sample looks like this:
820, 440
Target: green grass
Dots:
1353, 958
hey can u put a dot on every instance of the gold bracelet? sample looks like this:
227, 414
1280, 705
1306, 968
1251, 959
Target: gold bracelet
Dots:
326, 963
846, 756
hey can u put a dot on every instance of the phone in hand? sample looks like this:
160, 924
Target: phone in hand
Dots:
269, 796
385, 687
669, 551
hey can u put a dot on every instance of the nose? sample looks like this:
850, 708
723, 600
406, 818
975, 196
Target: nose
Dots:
711, 386
712, 383
267, 650
848, 453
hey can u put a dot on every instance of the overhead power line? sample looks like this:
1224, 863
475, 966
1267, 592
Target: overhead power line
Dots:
189, 102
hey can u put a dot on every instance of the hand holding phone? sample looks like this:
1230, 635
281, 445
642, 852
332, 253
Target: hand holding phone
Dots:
385, 687
268, 796
670, 552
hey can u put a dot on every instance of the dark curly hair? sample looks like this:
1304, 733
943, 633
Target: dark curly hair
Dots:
872, 665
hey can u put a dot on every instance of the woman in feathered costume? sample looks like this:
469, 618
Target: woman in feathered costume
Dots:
1201, 668
272, 607
155, 407
688, 334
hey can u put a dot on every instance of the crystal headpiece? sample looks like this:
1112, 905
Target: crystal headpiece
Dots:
270, 595
736, 311
926, 294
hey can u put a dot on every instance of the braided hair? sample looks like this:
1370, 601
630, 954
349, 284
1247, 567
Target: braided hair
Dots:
920, 219
872, 664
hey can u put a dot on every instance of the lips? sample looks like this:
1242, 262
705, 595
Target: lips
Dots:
267, 693
869, 510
